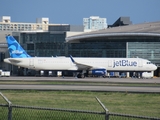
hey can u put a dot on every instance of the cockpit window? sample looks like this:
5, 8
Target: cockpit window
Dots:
149, 63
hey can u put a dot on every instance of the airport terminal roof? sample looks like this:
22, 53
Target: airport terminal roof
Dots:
143, 29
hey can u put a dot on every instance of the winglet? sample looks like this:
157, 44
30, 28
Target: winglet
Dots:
72, 59
80, 66
15, 49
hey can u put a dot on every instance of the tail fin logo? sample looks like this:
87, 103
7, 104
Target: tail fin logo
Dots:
15, 50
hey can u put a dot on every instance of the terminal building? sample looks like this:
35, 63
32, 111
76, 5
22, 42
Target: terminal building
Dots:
120, 40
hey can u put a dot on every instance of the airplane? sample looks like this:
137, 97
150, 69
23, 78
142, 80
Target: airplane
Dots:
85, 66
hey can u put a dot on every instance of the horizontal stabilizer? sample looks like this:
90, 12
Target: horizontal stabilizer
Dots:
14, 60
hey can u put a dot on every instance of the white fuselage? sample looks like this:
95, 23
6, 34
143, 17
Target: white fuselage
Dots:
65, 63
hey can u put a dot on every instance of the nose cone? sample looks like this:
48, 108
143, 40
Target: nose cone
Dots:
154, 67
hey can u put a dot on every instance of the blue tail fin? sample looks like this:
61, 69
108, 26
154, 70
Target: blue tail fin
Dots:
15, 50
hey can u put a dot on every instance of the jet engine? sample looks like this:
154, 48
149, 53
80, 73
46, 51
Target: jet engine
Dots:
98, 72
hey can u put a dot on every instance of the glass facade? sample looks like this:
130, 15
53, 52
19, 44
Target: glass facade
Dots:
59, 28
44, 44
147, 50
100, 48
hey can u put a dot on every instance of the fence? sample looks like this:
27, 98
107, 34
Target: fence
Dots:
17, 112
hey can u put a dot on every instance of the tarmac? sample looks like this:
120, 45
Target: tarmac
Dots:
82, 87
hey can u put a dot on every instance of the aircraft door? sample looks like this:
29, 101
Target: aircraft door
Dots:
109, 63
31, 62
140, 63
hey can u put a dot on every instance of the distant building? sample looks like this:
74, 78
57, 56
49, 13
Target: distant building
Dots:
94, 23
7, 25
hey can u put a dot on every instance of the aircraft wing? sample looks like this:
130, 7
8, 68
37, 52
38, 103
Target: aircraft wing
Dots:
14, 60
80, 66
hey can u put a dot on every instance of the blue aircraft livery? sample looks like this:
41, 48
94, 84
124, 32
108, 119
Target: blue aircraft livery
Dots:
99, 71
15, 50
117, 63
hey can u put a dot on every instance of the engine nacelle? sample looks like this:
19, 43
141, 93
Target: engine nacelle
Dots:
98, 71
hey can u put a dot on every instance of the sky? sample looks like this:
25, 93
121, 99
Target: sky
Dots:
73, 11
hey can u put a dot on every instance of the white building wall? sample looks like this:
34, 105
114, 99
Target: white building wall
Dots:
5, 19
69, 34
7, 25
43, 20
94, 23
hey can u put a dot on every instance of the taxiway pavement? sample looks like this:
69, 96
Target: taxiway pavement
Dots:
147, 89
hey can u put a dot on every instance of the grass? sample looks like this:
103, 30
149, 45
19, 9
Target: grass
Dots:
76, 83
126, 103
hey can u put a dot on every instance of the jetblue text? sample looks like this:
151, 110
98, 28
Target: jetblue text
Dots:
124, 63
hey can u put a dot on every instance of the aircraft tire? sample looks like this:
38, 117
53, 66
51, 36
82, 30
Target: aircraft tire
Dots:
104, 76
82, 76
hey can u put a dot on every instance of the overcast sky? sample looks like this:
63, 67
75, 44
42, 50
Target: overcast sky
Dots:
73, 11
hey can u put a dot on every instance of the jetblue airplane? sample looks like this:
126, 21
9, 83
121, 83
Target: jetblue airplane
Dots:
92, 66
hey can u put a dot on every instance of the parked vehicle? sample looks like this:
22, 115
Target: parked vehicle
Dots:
4, 73
147, 75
